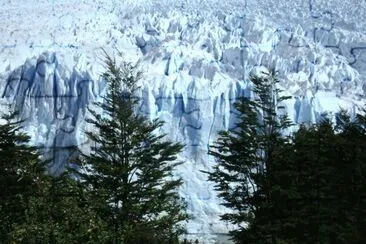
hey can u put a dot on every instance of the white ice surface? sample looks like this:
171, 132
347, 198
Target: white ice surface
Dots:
197, 56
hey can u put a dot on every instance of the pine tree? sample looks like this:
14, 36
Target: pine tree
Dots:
330, 186
349, 179
60, 213
36, 207
246, 158
358, 181
129, 171
308, 187
315, 158
21, 173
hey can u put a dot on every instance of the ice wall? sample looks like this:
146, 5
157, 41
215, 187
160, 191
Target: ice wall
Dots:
197, 57
52, 99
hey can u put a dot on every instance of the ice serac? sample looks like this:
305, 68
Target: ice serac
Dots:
197, 57
52, 99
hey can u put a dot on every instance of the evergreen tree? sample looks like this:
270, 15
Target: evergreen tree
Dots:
326, 167
246, 158
344, 180
129, 171
315, 158
60, 213
36, 207
357, 181
308, 187
20, 176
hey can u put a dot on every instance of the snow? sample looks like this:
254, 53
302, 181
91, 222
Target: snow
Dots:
197, 57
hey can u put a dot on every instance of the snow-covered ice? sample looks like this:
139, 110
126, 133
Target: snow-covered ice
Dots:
197, 57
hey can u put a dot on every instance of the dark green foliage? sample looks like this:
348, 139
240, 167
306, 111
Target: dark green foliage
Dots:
36, 207
60, 213
128, 173
126, 194
352, 185
246, 157
308, 187
315, 159
331, 169
20, 176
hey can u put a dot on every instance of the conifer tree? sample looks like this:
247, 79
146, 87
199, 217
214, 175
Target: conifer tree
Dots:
316, 175
357, 182
60, 213
246, 156
326, 169
36, 207
343, 180
20, 176
129, 171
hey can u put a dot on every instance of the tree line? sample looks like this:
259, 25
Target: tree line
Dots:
301, 187
122, 191
280, 187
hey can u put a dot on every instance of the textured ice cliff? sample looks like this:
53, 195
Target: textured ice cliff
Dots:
197, 56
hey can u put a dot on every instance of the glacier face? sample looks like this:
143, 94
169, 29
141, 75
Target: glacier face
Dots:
197, 56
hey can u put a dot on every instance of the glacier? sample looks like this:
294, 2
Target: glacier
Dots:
196, 56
